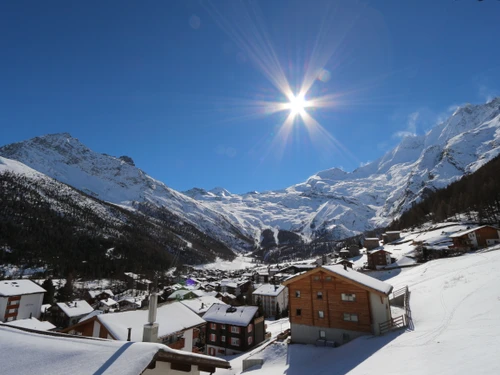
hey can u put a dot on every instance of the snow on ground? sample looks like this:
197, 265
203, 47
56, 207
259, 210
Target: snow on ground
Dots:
277, 326
455, 306
239, 263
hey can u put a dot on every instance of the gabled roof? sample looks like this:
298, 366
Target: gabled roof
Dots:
32, 352
95, 293
171, 318
75, 308
360, 279
233, 315
19, 287
269, 290
202, 304
32, 323
460, 234
377, 250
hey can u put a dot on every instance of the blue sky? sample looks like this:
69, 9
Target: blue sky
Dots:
182, 86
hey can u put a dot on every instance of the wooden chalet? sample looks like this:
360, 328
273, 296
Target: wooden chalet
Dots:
378, 258
371, 243
331, 305
475, 238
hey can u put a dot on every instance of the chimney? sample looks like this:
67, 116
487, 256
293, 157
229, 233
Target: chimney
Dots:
150, 332
129, 335
345, 266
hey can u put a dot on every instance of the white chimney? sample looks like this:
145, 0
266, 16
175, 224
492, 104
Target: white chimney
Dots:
150, 333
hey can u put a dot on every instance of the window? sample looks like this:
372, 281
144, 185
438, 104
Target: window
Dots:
250, 340
297, 293
316, 278
321, 314
14, 302
213, 337
213, 326
350, 317
320, 295
350, 297
235, 329
250, 328
235, 341
322, 334
223, 338
328, 278
298, 312
223, 326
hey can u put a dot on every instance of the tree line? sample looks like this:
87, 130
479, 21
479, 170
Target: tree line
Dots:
475, 196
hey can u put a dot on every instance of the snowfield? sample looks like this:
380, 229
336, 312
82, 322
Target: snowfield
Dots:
455, 305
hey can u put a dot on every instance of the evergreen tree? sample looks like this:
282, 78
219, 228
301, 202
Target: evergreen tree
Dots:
278, 311
48, 297
259, 305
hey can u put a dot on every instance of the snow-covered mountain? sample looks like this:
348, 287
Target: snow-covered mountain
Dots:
330, 204
118, 181
340, 204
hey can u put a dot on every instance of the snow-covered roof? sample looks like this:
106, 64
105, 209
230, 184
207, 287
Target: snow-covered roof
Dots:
269, 290
95, 293
45, 307
56, 354
91, 315
75, 308
360, 278
460, 234
182, 292
32, 323
19, 287
202, 304
171, 318
108, 302
377, 250
234, 315
228, 295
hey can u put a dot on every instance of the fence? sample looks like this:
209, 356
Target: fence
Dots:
399, 297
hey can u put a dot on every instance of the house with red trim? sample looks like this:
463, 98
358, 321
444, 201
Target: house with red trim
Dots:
233, 329
20, 299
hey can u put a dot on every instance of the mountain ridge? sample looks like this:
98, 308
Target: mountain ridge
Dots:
331, 204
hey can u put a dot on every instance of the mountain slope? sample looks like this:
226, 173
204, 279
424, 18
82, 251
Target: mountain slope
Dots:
44, 222
118, 181
330, 205
337, 204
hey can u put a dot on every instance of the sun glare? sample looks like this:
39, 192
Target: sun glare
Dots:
297, 104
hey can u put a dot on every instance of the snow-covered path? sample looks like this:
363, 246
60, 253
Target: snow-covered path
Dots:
456, 329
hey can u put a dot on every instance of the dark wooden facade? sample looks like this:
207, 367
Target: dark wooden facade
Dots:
476, 238
316, 300
378, 258
221, 336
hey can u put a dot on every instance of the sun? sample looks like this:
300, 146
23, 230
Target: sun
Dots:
297, 104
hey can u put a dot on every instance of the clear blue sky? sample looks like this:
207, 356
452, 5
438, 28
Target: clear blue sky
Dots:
173, 84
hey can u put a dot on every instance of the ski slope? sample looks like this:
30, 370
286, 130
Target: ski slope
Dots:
455, 305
